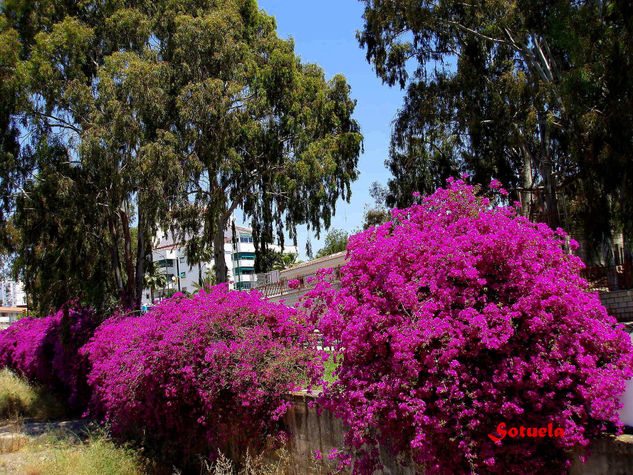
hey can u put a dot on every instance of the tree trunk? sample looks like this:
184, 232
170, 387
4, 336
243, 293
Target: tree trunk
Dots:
129, 299
551, 203
552, 217
221, 271
116, 262
140, 259
527, 184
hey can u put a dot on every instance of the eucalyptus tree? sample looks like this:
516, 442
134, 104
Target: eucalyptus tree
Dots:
155, 113
93, 85
536, 94
263, 132
378, 213
9, 98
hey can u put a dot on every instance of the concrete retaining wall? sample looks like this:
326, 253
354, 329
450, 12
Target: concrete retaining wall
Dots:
310, 431
608, 456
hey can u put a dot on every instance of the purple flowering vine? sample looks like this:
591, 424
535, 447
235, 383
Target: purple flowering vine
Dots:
201, 374
454, 317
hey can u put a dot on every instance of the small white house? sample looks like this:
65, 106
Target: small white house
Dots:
8, 315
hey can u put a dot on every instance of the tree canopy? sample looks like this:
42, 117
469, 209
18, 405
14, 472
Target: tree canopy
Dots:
378, 213
537, 95
335, 241
168, 114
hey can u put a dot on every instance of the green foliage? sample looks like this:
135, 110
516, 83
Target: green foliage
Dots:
330, 366
379, 213
335, 241
155, 278
149, 113
53, 210
207, 281
269, 259
536, 95
286, 260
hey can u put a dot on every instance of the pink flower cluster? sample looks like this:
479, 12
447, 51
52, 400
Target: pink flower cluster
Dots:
201, 374
455, 317
46, 350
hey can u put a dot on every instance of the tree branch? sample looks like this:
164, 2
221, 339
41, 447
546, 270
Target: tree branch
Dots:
475, 32
66, 125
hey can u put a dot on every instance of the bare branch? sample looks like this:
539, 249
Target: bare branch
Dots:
63, 123
476, 33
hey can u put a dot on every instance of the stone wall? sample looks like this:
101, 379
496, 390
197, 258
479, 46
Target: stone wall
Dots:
619, 303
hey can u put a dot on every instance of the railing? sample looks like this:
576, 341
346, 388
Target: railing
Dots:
277, 289
614, 277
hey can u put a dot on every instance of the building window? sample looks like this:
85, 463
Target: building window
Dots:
244, 255
244, 270
246, 238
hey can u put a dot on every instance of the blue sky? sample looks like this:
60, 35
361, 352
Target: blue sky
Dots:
325, 33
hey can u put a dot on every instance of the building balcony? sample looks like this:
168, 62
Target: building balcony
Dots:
246, 278
244, 263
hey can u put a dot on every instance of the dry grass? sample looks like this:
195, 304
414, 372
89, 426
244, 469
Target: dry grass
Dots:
63, 452
56, 451
277, 463
97, 454
19, 398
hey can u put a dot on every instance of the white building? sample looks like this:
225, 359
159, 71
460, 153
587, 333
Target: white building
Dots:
181, 277
243, 259
12, 294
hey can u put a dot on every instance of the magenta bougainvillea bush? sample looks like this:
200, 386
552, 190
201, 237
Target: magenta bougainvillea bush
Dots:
201, 374
46, 350
457, 319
